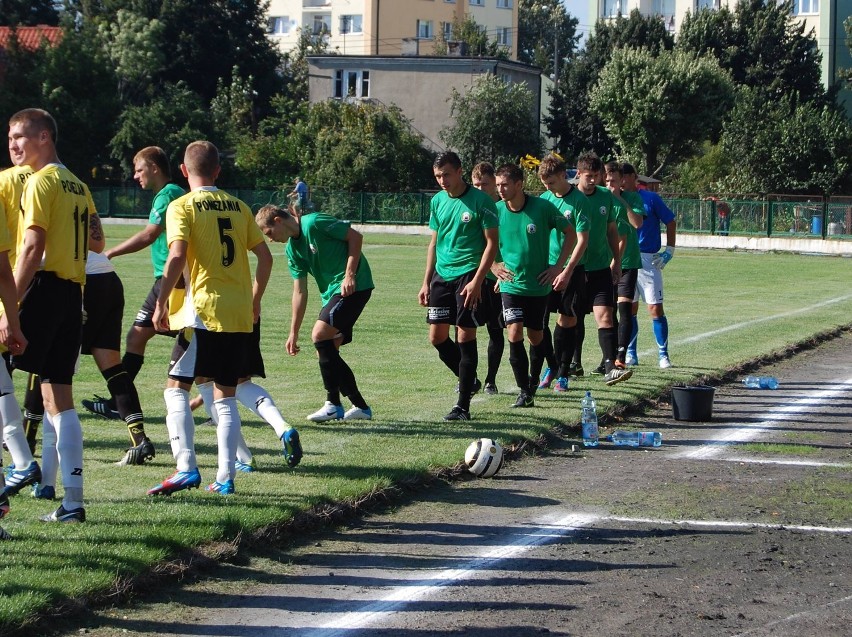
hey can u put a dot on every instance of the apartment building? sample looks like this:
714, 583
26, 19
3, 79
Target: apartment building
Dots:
825, 17
389, 27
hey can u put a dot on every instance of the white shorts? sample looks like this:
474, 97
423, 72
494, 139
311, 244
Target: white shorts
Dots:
182, 363
649, 282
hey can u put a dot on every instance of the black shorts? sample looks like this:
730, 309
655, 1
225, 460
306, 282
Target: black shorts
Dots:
255, 357
599, 289
446, 304
531, 310
222, 356
52, 321
103, 300
145, 315
494, 306
572, 300
341, 312
627, 284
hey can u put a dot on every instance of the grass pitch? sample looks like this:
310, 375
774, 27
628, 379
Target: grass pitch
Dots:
725, 308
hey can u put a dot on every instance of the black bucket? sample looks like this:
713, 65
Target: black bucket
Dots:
693, 403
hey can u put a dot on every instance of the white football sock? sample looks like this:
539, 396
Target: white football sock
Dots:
244, 454
205, 390
227, 434
69, 447
49, 455
258, 400
13, 430
181, 428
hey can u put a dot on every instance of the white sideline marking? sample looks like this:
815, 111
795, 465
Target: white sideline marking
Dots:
798, 463
393, 602
763, 319
780, 413
733, 524
794, 616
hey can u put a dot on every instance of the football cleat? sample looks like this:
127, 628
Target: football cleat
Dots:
245, 467
291, 447
524, 400
44, 492
222, 488
600, 370
458, 413
356, 413
546, 378
665, 363
4, 535
329, 411
178, 481
138, 455
575, 370
17, 480
4, 506
103, 407
616, 375
561, 385
64, 515
491, 389
631, 360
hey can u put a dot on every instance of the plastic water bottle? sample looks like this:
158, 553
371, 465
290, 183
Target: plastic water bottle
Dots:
761, 382
589, 421
636, 438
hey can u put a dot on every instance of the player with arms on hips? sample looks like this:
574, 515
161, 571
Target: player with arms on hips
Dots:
649, 284
463, 221
328, 249
152, 171
209, 233
58, 219
526, 273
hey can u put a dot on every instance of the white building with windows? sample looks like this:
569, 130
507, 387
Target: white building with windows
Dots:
388, 27
825, 17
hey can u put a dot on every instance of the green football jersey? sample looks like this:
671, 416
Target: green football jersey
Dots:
575, 207
631, 259
460, 223
525, 244
157, 216
601, 212
322, 251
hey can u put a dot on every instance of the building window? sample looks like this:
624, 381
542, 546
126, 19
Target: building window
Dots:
477, 3
424, 29
805, 7
351, 24
664, 7
504, 36
611, 8
351, 84
322, 24
447, 28
278, 25
706, 4
504, 4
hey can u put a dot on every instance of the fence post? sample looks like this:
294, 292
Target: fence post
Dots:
824, 217
712, 216
769, 219
361, 205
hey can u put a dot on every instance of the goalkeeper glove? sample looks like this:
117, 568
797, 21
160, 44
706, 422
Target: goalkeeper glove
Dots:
660, 259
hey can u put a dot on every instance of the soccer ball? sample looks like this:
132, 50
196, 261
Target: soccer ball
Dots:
484, 457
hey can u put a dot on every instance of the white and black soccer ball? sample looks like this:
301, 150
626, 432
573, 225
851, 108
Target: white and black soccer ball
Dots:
484, 457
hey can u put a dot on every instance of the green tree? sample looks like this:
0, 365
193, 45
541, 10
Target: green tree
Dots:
474, 37
133, 44
659, 109
28, 12
492, 122
786, 146
574, 125
546, 32
846, 74
761, 45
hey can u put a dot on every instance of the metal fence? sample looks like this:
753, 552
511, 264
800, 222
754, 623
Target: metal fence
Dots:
776, 215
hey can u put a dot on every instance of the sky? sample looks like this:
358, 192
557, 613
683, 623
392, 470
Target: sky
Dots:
580, 10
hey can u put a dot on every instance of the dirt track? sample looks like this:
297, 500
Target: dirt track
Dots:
588, 543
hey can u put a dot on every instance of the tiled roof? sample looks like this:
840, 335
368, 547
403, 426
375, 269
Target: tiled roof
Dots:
31, 37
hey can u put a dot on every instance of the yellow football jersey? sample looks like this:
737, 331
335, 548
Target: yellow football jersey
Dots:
219, 230
59, 203
11, 188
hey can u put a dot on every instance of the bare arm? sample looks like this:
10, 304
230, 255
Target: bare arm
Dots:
261, 276
423, 296
29, 259
299, 303
171, 274
355, 240
10, 325
671, 233
612, 239
636, 220
137, 242
97, 241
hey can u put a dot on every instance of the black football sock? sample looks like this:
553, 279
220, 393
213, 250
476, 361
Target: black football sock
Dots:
329, 369
33, 410
496, 345
348, 385
126, 398
468, 360
579, 337
625, 327
537, 357
549, 348
520, 365
607, 340
449, 352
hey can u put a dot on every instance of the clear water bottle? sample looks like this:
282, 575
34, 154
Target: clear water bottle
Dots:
589, 421
761, 382
636, 438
